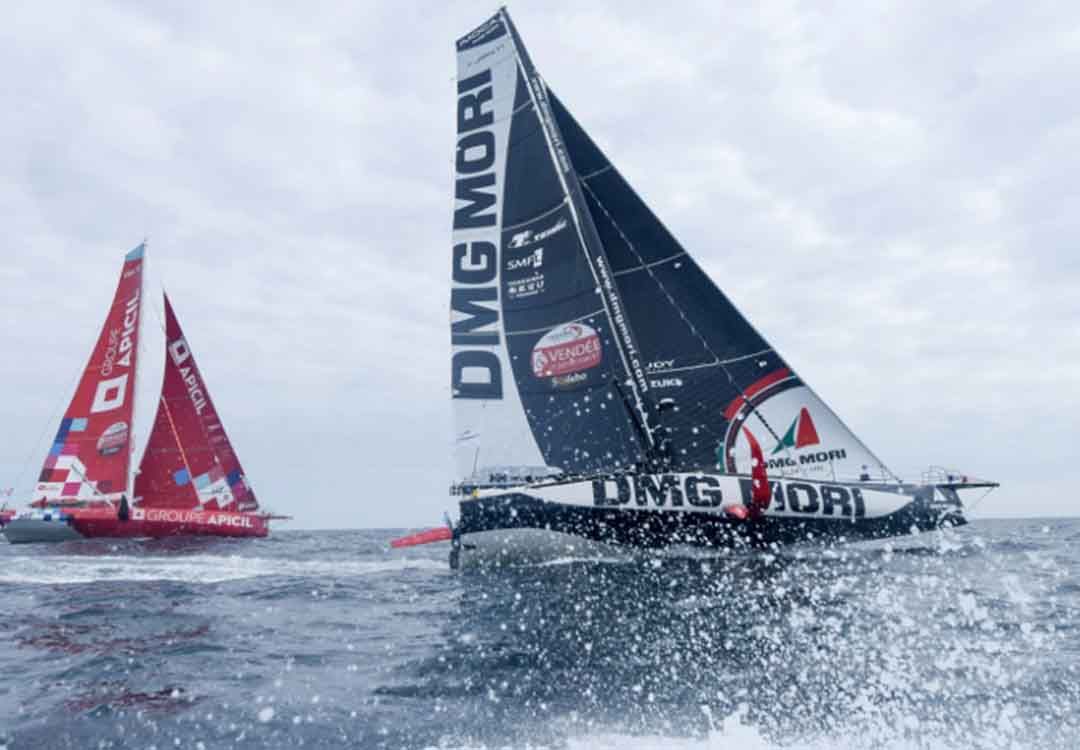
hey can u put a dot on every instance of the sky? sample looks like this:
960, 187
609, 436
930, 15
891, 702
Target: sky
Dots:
888, 191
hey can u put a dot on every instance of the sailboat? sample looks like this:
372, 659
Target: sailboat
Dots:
607, 394
189, 482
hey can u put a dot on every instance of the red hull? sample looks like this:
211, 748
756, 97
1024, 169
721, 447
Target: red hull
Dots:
157, 523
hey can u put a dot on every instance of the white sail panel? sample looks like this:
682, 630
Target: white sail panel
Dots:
492, 431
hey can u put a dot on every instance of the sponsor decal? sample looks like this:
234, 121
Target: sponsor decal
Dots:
534, 260
165, 515
568, 349
800, 434
565, 381
817, 457
661, 383
475, 370
689, 491
659, 364
118, 352
528, 237
113, 439
527, 287
179, 353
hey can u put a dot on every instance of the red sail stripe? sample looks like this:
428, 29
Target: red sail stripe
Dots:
756, 387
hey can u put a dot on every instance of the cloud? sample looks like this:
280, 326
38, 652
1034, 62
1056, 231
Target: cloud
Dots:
887, 192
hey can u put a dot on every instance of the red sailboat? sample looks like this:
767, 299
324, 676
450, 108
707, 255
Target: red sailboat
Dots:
190, 481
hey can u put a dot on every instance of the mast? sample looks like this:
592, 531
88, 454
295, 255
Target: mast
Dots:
130, 484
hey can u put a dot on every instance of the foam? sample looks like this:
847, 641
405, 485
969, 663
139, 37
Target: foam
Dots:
192, 569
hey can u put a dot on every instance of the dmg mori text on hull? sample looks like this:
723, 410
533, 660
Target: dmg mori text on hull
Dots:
609, 516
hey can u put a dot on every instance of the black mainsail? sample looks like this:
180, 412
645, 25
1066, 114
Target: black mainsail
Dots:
576, 314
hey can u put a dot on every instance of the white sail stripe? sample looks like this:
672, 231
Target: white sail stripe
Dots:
596, 172
647, 266
540, 215
704, 365
545, 329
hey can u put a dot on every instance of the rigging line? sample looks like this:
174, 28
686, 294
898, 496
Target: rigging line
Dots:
595, 172
650, 265
679, 310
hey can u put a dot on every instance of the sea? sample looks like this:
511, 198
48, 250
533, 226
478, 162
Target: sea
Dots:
329, 639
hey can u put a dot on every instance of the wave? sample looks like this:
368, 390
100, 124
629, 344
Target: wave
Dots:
192, 569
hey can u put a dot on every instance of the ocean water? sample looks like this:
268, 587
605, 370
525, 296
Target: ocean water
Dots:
965, 639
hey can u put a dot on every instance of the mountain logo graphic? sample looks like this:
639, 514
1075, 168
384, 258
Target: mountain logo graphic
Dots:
801, 433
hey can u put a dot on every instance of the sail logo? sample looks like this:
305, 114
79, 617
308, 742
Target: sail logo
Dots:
529, 286
475, 369
801, 434
179, 353
568, 349
534, 260
661, 383
528, 237
121, 341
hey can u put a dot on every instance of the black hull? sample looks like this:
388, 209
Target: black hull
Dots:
657, 528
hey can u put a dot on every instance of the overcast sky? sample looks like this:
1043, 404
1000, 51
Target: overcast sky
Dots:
888, 190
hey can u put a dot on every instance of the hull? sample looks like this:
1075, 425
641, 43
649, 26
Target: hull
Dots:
613, 516
96, 523
27, 530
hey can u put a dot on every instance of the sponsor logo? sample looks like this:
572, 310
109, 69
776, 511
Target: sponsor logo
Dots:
527, 287
113, 439
521, 239
564, 381
233, 520
817, 457
660, 364
661, 383
534, 260
570, 348
121, 346
659, 490
475, 369
800, 434
179, 352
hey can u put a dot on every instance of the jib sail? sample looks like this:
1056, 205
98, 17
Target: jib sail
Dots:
189, 461
540, 378
91, 453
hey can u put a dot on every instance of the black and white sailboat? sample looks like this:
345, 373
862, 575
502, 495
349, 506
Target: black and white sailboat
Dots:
606, 392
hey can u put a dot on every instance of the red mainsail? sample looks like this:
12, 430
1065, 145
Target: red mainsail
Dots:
189, 461
91, 453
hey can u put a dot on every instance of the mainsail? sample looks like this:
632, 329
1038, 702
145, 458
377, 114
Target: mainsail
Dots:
584, 337
91, 453
189, 461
